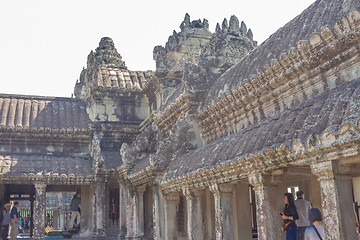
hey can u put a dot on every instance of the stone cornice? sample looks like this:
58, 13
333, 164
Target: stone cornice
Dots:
329, 146
298, 69
132, 128
66, 134
100, 92
144, 176
176, 110
48, 179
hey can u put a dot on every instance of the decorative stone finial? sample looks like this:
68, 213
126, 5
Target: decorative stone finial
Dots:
234, 24
229, 43
193, 35
106, 43
224, 24
107, 55
243, 28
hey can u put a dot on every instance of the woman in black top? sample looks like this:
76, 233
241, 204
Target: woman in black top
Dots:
290, 215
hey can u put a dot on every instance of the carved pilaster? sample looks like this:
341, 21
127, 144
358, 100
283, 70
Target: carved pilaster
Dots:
267, 215
336, 197
224, 219
195, 229
40, 211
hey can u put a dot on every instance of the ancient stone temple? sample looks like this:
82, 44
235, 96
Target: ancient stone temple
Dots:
205, 146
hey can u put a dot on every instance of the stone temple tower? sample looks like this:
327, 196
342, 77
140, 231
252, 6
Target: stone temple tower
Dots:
113, 96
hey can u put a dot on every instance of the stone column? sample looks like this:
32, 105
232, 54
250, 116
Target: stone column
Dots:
195, 228
171, 201
86, 210
139, 217
122, 208
224, 219
267, 212
135, 213
336, 197
242, 211
56, 219
158, 212
99, 206
61, 218
40, 210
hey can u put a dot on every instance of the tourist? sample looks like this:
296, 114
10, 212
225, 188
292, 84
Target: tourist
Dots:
303, 207
316, 231
14, 216
6, 221
74, 210
21, 225
290, 215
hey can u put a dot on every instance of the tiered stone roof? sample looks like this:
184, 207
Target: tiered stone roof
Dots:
32, 112
106, 71
306, 126
260, 84
314, 19
117, 78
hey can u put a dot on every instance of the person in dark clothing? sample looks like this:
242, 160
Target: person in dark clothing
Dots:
290, 215
75, 205
14, 217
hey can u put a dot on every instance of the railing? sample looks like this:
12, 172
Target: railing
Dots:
59, 218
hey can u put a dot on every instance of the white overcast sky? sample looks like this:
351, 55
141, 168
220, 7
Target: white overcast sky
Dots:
44, 43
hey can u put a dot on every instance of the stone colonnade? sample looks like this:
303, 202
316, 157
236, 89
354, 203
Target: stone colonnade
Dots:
220, 211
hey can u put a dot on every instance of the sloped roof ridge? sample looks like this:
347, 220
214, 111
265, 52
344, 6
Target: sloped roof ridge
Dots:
38, 97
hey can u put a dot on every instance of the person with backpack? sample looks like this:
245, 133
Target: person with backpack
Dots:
5, 221
316, 231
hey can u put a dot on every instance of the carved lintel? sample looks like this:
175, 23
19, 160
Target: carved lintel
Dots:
172, 196
328, 170
219, 189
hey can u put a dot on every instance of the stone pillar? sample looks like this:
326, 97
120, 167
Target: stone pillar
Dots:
40, 210
62, 218
158, 212
135, 213
195, 228
242, 211
139, 219
122, 208
171, 201
267, 212
336, 197
56, 219
86, 211
224, 219
98, 206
